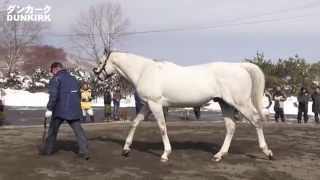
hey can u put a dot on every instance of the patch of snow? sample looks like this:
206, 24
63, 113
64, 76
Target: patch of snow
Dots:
39, 84
24, 98
289, 106
127, 102
44, 80
40, 99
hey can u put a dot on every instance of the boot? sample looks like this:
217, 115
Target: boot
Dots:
92, 118
83, 119
84, 156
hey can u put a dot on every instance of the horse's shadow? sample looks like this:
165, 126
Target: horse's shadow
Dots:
154, 147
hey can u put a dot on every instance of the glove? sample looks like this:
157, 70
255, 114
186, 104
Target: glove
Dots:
48, 114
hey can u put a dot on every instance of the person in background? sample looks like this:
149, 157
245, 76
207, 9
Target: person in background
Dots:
316, 104
2, 115
303, 100
86, 104
64, 105
107, 105
1, 112
279, 97
116, 97
197, 112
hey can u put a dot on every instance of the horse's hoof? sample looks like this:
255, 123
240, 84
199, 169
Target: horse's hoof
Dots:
125, 153
271, 157
163, 160
216, 159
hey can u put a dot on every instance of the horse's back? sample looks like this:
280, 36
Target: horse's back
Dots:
198, 83
194, 85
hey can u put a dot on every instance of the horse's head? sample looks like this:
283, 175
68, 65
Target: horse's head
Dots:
105, 68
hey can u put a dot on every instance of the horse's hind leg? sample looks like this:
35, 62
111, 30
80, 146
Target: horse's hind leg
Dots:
158, 114
141, 115
263, 144
228, 113
253, 117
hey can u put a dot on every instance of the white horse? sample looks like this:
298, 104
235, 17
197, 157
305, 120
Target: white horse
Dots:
237, 86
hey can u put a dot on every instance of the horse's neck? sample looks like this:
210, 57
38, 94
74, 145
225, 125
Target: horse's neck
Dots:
130, 67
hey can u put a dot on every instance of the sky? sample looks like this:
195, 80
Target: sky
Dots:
215, 30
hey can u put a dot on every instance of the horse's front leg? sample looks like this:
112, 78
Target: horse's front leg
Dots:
228, 113
157, 111
141, 115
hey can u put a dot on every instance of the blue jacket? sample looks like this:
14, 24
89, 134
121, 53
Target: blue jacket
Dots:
64, 96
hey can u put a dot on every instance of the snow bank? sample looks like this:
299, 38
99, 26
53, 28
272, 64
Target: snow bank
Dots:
289, 106
25, 98
128, 102
40, 99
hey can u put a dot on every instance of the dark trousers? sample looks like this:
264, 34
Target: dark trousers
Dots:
116, 106
279, 113
1, 113
303, 111
316, 117
197, 112
77, 129
107, 111
1, 107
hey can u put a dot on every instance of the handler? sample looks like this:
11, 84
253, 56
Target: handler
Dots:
64, 105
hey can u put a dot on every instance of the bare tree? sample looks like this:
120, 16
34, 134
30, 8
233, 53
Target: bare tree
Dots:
15, 36
42, 56
98, 28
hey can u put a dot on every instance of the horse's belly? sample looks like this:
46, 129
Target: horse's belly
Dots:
177, 102
185, 94
186, 88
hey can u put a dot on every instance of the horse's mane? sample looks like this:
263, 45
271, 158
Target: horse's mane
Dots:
164, 63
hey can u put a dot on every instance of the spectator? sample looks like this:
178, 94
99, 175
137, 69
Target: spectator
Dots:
279, 97
303, 99
116, 97
316, 104
107, 105
197, 112
86, 104
2, 115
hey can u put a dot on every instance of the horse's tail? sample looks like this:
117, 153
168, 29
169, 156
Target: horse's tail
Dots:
258, 83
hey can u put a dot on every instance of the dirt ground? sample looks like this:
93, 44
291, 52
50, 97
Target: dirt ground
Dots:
296, 149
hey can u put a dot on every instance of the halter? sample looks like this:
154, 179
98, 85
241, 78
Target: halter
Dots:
97, 73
